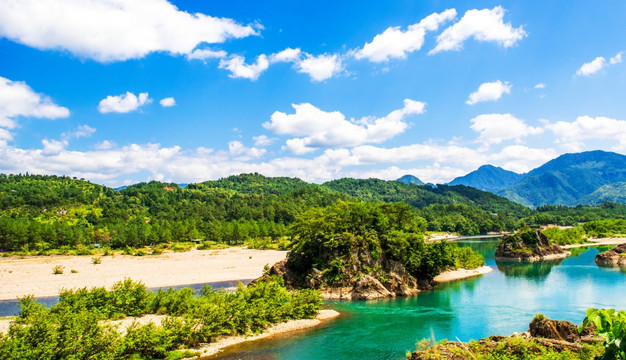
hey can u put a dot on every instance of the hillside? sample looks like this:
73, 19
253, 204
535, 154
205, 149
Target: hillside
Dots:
567, 179
615, 192
488, 178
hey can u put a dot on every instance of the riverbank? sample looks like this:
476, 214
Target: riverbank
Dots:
281, 328
459, 274
597, 242
34, 275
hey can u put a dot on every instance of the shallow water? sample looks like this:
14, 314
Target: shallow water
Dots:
501, 302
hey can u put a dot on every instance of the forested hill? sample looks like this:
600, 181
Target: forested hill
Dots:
41, 212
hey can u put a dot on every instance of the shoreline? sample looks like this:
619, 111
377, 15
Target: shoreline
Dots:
34, 276
597, 242
276, 329
459, 274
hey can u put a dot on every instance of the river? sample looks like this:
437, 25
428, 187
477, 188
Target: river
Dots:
501, 302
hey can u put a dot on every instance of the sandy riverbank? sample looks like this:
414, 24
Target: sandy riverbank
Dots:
597, 242
459, 274
20, 277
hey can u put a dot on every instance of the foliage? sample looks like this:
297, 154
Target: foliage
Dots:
466, 258
349, 239
58, 269
605, 228
571, 236
611, 326
74, 328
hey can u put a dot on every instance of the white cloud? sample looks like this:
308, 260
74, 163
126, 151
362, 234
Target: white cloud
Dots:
540, 86
459, 155
263, 140
570, 135
494, 128
521, 159
18, 99
239, 69
168, 102
105, 145
203, 54
287, 55
489, 91
123, 103
592, 67
616, 59
113, 30
320, 67
81, 131
316, 128
482, 25
53, 147
395, 43
597, 64
244, 153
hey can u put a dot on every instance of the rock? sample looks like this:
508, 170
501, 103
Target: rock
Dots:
614, 257
528, 246
557, 330
367, 288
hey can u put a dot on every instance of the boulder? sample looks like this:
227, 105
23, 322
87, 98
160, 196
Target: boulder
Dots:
557, 330
367, 288
614, 257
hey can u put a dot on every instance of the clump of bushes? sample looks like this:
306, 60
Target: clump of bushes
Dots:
58, 269
74, 327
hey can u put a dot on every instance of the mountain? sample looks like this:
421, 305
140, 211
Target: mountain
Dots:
488, 178
615, 192
410, 179
568, 179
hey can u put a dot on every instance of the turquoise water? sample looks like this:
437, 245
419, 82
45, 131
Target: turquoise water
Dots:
501, 302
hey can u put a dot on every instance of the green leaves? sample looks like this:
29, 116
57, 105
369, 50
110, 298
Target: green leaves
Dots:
611, 326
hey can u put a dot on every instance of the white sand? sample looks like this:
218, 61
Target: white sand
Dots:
597, 242
293, 325
20, 277
458, 274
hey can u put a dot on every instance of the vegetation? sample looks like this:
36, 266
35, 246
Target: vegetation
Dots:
79, 326
611, 326
348, 240
571, 236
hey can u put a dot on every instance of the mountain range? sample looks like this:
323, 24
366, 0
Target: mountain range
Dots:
590, 177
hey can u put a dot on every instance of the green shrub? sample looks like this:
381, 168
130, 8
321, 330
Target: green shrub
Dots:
58, 269
96, 260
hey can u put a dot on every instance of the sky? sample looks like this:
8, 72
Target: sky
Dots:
124, 91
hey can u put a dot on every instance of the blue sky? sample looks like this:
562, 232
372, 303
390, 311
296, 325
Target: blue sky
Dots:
119, 92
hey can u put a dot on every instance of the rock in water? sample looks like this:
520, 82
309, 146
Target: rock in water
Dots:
614, 257
528, 246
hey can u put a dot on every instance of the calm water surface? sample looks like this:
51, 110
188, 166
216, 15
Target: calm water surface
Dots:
501, 302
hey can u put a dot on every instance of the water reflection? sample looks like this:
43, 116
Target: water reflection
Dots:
532, 271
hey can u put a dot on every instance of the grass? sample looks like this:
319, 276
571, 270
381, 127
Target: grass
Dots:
58, 269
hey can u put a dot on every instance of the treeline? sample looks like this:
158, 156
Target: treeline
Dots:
79, 327
44, 212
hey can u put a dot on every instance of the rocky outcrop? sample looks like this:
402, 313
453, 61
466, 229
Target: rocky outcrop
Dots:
544, 334
396, 282
528, 246
614, 257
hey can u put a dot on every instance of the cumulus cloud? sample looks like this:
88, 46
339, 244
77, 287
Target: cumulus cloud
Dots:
315, 128
597, 64
540, 86
521, 159
287, 55
168, 102
18, 99
113, 30
105, 145
242, 152
123, 103
489, 91
395, 43
482, 25
494, 128
570, 135
320, 67
239, 69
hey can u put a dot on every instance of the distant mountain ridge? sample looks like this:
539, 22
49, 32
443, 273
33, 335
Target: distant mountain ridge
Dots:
410, 179
570, 180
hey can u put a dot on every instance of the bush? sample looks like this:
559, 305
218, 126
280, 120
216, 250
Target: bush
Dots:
96, 260
58, 269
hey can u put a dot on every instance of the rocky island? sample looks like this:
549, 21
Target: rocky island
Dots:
551, 339
528, 246
614, 257
362, 251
